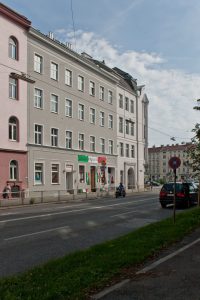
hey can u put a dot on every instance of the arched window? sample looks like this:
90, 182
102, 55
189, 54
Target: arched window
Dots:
13, 129
13, 170
13, 48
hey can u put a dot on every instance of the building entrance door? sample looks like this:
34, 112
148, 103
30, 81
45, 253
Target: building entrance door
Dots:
93, 182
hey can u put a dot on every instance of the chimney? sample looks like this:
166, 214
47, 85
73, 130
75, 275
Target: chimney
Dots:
51, 35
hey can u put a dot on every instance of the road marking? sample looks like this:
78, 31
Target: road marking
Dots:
67, 212
36, 233
126, 213
161, 260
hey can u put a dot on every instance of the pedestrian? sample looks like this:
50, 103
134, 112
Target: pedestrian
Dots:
6, 191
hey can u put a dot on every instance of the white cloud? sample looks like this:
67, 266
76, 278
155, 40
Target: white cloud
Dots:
172, 93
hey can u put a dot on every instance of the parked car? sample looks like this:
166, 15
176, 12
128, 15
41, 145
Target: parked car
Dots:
186, 194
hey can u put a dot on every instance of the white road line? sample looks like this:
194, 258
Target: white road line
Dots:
162, 260
34, 233
126, 213
67, 212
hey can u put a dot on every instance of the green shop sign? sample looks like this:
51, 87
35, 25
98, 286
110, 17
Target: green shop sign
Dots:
83, 158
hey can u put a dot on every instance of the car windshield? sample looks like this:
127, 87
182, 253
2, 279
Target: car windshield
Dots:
169, 187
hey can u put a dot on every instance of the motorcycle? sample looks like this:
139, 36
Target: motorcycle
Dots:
120, 192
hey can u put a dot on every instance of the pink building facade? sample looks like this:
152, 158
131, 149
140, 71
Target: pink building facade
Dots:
13, 98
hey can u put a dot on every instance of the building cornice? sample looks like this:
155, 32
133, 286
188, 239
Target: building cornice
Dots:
14, 16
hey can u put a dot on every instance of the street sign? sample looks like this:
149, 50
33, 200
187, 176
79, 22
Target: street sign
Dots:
174, 162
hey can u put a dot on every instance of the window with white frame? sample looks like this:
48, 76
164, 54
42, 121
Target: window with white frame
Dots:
13, 129
92, 115
13, 48
81, 174
54, 137
13, 88
92, 143
121, 101
102, 145
13, 170
55, 173
81, 83
68, 77
38, 173
38, 63
68, 108
110, 97
121, 149
68, 139
132, 106
81, 141
38, 134
92, 88
132, 128
121, 125
126, 103
127, 126
110, 121
101, 93
102, 118
127, 150
81, 112
38, 98
110, 147
54, 103
54, 71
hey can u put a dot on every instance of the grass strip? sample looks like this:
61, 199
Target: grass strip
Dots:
74, 275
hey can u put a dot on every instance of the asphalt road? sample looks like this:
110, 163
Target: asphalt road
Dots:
33, 235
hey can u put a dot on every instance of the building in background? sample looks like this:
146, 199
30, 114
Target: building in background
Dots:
159, 157
13, 113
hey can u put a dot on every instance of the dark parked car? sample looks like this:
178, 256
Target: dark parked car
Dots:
186, 194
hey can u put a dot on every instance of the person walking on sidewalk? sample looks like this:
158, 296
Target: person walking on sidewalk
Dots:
6, 191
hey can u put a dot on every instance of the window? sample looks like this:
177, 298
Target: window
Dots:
68, 108
54, 137
132, 106
13, 170
126, 103
127, 127
13, 129
120, 101
110, 147
121, 176
92, 115
38, 173
68, 77
13, 88
54, 71
132, 151
81, 174
132, 128
102, 118
38, 133
92, 143
81, 141
121, 149
110, 121
101, 93
68, 139
13, 48
102, 145
38, 98
110, 97
55, 173
54, 103
81, 112
38, 63
92, 88
127, 150
80, 83
121, 125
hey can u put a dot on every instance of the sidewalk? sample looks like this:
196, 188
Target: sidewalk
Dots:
175, 274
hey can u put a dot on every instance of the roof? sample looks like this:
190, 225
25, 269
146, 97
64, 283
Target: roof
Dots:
172, 147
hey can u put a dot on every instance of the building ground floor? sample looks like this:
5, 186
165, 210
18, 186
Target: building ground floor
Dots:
13, 170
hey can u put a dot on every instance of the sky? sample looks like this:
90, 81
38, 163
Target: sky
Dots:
156, 41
